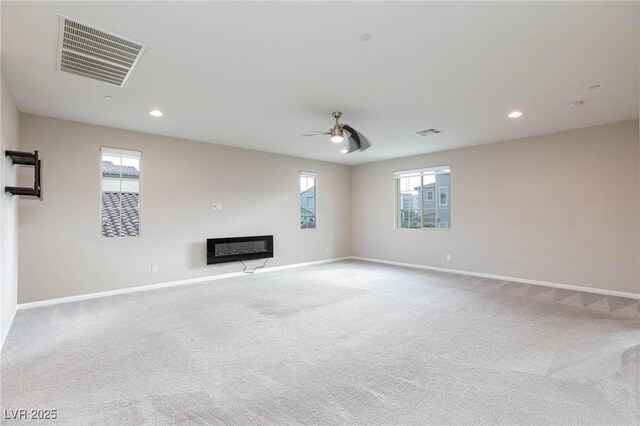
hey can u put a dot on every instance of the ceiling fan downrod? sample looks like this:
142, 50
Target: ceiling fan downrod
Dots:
337, 135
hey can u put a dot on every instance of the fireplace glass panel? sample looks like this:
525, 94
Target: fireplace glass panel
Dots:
242, 247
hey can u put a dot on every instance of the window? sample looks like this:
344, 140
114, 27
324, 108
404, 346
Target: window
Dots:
443, 196
416, 207
308, 200
120, 177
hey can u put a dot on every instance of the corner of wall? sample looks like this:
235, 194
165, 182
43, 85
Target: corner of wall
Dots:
350, 207
9, 134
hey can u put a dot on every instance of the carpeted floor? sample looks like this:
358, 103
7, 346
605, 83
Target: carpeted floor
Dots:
342, 343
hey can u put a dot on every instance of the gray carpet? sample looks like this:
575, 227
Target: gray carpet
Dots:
341, 343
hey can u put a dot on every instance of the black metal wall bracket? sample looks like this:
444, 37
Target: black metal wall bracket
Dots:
25, 159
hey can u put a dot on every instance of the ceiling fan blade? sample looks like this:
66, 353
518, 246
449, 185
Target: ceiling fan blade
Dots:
357, 141
315, 133
364, 142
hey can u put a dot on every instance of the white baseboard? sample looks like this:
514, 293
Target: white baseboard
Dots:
298, 265
5, 333
505, 278
148, 287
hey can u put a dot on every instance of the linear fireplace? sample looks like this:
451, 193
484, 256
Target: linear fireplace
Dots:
236, 249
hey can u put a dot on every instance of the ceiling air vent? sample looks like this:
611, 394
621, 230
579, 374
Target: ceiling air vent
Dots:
95, 53
427, 132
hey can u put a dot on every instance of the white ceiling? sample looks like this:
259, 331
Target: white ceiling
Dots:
256, 75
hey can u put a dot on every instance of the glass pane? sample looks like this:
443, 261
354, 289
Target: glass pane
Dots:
409, 202
429, 218
130, 223
110, 214
428, 200
443, 195
307, 202
242, 247
120, 196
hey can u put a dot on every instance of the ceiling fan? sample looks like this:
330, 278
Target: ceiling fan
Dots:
354, 140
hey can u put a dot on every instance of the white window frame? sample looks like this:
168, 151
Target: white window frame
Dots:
125, 153
313, 175
446, 192
420, 172
430, 193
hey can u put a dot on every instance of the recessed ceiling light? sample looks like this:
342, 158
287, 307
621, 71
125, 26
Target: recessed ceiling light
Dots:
594, 87
156, 113
365, 37
107, 97
576, 104
515, 114
344, 150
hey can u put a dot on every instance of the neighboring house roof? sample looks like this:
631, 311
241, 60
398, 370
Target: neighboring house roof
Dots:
308, 192
111, 217
111, 170
431, 216
304, 212
427, 186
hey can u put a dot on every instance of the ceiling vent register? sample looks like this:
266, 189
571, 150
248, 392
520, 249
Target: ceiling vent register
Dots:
95, 53
427, 132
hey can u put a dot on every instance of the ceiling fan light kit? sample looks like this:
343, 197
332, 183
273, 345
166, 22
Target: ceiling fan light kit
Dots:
336, 135
355, 141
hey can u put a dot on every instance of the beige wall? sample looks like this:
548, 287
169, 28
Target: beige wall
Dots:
561, 208
8, 212
62, 252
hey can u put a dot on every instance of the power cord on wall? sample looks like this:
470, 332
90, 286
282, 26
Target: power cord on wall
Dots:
254, 269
